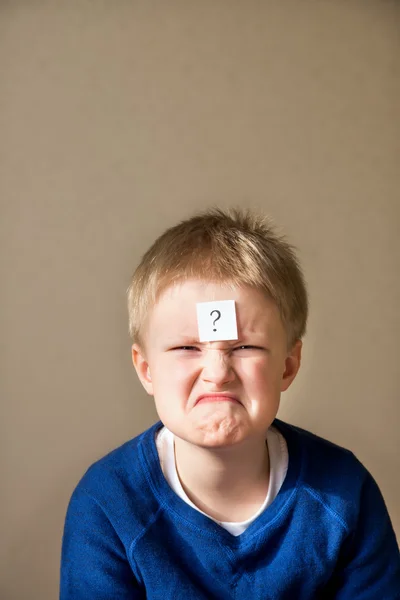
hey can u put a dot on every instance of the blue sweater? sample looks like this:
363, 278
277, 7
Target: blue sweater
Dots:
326, 535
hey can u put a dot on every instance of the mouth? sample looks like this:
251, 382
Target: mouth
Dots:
217, 398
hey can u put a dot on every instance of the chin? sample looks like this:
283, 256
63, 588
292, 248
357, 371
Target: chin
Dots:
217, 433
217, 443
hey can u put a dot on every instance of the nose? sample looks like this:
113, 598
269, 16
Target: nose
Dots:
217, 367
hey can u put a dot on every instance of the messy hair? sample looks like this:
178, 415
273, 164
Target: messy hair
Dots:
235, 247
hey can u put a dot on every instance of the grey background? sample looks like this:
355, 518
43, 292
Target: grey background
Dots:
117, 119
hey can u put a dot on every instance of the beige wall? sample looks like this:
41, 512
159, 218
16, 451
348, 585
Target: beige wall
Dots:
119, 118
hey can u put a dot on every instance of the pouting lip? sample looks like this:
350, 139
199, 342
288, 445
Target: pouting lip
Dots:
215, 394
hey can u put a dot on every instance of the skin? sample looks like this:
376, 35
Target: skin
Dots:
221, 455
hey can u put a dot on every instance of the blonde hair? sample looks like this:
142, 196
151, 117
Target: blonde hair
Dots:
236, 247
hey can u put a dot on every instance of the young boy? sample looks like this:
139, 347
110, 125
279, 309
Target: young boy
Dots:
219, 499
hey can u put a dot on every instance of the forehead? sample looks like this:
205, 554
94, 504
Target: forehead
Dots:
175, 311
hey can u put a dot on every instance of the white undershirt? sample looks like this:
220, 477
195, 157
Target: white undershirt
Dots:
278, 460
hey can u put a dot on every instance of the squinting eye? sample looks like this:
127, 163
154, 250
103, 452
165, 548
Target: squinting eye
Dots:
248, 348
185, 348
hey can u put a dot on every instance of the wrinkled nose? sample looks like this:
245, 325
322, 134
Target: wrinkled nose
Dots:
217, 368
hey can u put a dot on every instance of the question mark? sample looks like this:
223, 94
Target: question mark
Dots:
218, 317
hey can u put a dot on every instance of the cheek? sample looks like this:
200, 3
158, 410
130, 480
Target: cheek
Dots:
260, 372
172, 373
256, 365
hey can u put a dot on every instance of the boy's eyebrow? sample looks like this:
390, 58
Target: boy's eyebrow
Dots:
184, 339
193, 341
181, 340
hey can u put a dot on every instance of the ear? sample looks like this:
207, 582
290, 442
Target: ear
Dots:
142, 368
292, 365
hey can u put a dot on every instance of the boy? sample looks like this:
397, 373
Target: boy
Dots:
219, 499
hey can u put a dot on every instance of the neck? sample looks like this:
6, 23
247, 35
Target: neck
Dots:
229, 484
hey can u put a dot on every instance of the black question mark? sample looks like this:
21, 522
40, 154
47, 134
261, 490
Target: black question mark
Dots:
218, 317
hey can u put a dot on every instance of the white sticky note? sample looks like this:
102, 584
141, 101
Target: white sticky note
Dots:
217, 321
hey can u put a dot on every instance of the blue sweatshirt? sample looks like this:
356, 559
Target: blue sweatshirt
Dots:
327, 534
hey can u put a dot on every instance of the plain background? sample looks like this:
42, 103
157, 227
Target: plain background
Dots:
117, 119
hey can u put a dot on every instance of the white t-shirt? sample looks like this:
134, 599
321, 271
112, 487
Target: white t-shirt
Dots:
278, 459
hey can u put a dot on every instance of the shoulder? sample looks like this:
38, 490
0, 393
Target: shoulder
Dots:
119, 462
314, 447
331, 475
117, 483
